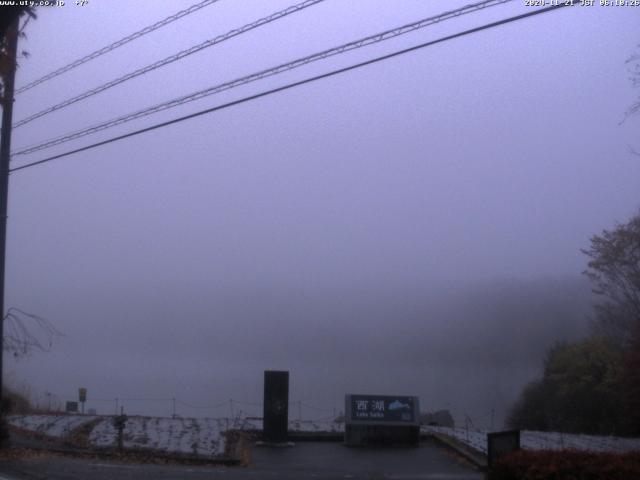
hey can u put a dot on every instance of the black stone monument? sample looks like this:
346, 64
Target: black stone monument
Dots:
276, 406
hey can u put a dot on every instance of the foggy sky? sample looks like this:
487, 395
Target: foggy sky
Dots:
412, 227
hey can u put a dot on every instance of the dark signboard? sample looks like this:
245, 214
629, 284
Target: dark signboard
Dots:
501, 443
382, 408
71, 407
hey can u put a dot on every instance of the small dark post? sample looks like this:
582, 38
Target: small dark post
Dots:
82, 397
119, 422
276, 406
501, 443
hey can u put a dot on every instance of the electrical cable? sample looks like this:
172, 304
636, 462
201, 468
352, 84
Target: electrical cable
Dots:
315, 408
203, 407
292, 85
170, 59
119, 43
379, 37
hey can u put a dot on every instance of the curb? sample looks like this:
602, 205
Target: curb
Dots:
478, 459
143, 456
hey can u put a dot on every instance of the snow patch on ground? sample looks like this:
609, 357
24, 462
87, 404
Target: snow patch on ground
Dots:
532, 440
306, 426
52, 425
310, 426
558, 441
199, 436
473, 439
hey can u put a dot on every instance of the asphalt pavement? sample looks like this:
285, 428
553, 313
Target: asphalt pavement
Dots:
321, 460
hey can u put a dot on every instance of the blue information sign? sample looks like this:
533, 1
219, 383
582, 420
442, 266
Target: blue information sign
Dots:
382, 408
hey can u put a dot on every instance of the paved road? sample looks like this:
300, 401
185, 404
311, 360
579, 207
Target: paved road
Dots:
305, 460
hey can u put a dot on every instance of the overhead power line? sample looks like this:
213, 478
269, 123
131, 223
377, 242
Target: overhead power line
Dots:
379, 37
170, 59
292, 85
220, 405
117, 44
315, 408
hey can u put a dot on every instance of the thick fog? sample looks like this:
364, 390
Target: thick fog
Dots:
410, 227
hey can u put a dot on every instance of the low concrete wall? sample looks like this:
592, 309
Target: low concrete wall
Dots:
391, 435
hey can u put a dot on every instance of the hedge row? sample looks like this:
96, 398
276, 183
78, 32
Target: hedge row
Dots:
566, 465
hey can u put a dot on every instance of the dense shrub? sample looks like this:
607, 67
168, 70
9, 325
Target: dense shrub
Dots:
580, 391
16, 402
5, 406
566, 465
12, 402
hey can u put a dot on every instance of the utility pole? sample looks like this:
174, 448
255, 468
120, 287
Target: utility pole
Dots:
9, 76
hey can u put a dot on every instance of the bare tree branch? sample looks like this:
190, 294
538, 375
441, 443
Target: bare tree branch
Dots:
633, 67
25, 332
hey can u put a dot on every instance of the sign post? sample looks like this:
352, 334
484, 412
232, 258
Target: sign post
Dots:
82, 397
119, 422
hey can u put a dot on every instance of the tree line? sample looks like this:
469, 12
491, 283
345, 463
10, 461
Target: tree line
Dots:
593, 385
